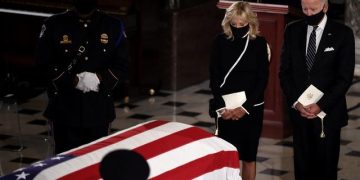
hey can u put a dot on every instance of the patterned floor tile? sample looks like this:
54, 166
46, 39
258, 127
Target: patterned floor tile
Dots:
261, 159
140, 116
204, 91
123, 105
25, 160
29, 111
344, 142
356, 94
41, 122
188, 113
4, 137
162, 94
354, 107
45, 133
274, 172
13, 147
354, 117
353, 153
285, 143
204, 124
173, 103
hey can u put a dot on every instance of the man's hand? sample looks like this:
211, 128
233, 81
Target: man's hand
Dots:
304, 112
313, 109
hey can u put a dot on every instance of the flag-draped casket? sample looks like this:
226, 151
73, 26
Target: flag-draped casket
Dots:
172, 150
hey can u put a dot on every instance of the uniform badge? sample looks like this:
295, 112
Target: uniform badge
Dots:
43, 29
65, 40
104, 38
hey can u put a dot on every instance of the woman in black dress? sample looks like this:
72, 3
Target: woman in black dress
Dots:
240, 39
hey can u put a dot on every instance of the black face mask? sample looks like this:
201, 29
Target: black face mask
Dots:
85, 6
239, 32
315, 19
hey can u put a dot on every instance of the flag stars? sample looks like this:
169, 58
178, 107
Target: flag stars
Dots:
57, 158
39, 164
21, 169
22, 175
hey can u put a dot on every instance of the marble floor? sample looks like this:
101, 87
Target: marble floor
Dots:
189, 106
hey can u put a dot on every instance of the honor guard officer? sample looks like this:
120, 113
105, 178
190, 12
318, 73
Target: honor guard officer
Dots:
85, 55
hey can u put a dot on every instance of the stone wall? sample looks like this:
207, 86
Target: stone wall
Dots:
352, 19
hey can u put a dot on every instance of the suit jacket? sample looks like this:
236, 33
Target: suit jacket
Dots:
332, 71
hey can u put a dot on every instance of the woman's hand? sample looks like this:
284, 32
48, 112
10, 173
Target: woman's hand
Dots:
226, 114
238, 113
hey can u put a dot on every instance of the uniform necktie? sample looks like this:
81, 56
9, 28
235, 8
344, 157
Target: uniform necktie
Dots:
311, 50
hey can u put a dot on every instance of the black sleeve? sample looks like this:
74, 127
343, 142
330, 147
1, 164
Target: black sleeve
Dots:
58, 79
285, 72
262, 76
117, 72
215, 74
344, 72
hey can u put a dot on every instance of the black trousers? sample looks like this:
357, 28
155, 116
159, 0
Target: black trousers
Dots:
315, 158
68, 137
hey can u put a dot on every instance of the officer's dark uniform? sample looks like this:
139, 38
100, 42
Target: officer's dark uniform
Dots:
81, 117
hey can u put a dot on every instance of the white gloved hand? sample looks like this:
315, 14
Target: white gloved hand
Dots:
91, 81
80, 85
88, 82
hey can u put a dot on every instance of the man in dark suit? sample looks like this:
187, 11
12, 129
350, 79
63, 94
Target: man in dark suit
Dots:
326, 60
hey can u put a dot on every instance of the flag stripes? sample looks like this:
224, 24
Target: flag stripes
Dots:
172, 150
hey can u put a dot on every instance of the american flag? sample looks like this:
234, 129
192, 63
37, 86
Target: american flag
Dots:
173, 150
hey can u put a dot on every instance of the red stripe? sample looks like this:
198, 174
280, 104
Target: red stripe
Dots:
171, 141
90, 172
149, 150
196, 168
118, 138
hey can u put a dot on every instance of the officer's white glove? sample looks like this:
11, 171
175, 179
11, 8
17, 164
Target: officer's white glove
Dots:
80, 85
88, 82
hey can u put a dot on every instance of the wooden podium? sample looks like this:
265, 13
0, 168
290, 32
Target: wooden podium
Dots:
273, 19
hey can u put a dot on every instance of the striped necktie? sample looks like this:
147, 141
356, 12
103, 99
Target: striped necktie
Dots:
311, 50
